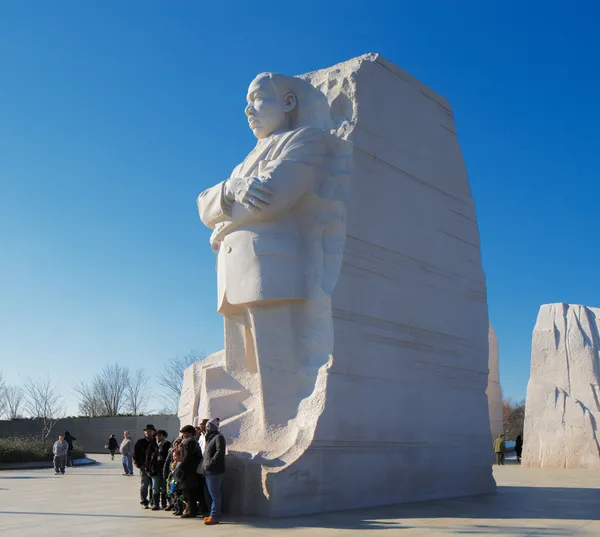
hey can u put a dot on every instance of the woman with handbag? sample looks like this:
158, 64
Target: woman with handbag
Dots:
112, 446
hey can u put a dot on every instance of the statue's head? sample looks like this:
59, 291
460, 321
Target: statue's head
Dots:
272, 104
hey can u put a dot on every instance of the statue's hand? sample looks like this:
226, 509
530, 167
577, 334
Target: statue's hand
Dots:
250, 192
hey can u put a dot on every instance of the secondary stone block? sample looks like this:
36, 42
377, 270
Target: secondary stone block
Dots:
563, 394
494, 391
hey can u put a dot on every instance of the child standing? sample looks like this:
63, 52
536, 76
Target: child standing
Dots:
174, 493
59, 450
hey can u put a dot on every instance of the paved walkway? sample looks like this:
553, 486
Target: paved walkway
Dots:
98, 501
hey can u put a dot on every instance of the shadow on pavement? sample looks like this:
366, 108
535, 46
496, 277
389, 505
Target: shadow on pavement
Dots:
27, 477
92, 515
510, 503
511, 507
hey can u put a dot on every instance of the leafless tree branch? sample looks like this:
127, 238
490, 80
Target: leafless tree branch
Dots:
110, 386
14, 402
513, 417
2, 395
90, 404
43, 402
171, 377
137, 393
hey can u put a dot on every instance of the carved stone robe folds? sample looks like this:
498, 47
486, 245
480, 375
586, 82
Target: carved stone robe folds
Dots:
270, 262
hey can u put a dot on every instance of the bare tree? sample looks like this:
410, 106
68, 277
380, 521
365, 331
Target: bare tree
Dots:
110, 386
2, 395
137, 393
43, 402
90, 404
514, 417
14, 402
171, 377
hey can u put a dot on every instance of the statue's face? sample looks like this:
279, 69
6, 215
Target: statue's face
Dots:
267, 108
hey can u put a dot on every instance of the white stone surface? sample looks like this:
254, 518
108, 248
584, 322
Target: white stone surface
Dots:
563, 395
368, 388
494, 391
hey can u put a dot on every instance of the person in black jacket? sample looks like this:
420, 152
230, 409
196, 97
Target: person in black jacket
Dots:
112, 446
519, 447
69, 439
139, 459
213, 468
187, 473
156, 457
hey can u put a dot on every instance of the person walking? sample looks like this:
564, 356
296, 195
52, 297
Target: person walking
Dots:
155, 464
112, 446
126, 454
187, 472
69, 439
60, 450
139, 459
519, 447
500, 449
213, 468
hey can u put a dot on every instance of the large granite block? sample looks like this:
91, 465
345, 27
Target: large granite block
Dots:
387, 372
563, 394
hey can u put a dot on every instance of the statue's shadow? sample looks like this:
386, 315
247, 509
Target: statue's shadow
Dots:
509, 511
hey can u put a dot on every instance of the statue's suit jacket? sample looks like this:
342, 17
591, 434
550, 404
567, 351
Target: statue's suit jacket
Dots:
264, 256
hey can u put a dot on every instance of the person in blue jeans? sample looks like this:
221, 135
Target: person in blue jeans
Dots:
213, 468
155, 464
59, 450
125, 450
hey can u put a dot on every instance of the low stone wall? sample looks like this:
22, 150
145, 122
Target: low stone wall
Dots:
93, 433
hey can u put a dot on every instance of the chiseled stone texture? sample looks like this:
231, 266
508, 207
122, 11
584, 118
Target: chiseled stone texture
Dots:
494, 391
399, 412
563, 394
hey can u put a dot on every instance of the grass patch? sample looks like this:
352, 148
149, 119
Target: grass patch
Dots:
30, 450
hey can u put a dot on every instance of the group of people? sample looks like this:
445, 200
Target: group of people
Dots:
180, 476
177, 477
500, 449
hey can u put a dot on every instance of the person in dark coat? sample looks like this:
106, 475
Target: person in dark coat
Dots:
139, 459
112, 446
213, 468
156, 456
69, 439
519, 447
187, 472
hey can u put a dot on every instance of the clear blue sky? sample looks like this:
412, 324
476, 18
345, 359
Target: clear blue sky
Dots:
115, 115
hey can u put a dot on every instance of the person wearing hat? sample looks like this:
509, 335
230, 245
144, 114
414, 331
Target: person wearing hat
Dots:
140, 451
213, 468
156, 456
187, 476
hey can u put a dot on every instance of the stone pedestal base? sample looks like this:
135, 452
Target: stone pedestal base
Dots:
332, 478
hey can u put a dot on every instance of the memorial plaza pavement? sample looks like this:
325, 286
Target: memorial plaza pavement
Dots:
98, 501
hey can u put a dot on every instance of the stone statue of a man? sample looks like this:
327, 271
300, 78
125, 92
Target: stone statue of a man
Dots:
272, 221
